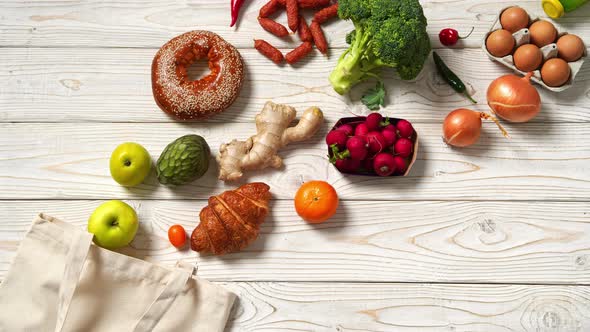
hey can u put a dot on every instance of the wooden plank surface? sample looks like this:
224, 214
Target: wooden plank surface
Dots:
410, 308
364, 242
139, 23
114, 85
440, 250
71, 161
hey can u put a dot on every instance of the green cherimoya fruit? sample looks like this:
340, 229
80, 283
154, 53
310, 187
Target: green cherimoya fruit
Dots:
184, 160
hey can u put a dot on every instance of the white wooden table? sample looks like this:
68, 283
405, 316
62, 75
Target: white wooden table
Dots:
495, 237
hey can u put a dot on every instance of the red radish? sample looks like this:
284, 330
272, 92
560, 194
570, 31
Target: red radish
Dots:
361, 130
404, 129
357, 148
348, 129
368, 164
404, 147
376, 142
401, 165
337, 137
348, 165
390, 137
384, 164
373, 121
390, 127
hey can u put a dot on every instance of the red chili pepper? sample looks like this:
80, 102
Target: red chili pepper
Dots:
450, 36
235, 10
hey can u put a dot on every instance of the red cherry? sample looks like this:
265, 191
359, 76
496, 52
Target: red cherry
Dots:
449, 37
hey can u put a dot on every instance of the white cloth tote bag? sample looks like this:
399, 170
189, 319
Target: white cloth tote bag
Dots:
61, 282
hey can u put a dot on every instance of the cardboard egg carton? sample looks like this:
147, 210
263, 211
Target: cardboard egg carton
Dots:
522, 37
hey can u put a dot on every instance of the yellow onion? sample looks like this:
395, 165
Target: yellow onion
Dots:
462, 127
514, 98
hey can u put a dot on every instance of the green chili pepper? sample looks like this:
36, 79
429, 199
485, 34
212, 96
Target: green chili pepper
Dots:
451, 78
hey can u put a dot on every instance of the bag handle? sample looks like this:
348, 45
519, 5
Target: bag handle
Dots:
160, 306
76, 257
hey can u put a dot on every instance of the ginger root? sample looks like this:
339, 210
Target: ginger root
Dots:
273, 133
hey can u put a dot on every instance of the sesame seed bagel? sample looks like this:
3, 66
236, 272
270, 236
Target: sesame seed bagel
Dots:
184, 99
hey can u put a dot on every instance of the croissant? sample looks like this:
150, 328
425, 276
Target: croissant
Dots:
232, 220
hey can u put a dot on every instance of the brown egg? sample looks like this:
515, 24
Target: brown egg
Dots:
542, 33
500, 43
555, 72
528, 57
514, 19
570, 47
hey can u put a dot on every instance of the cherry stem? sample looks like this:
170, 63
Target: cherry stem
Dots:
469, 34
493, 118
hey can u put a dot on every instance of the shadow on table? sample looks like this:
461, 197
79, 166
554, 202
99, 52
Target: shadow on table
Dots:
234, 314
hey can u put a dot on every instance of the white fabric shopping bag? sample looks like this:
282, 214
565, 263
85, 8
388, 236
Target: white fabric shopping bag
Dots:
61, 282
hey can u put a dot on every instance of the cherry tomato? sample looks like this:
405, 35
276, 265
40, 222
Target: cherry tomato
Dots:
177, 236
450, 36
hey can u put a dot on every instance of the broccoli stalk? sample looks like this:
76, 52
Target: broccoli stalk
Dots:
353, 63
388, 33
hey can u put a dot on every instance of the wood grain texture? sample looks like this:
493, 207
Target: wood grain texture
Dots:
40, 161
114, 85
409, 308
139, 23
535, 242
75, 77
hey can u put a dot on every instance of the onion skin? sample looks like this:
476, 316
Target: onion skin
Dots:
514, 98
462, 127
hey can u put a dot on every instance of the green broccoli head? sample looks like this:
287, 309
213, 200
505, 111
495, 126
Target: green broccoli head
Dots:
406, 9
354, 9
403, 44
388, 33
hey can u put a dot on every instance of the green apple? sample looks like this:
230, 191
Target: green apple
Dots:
130, 164
113, 224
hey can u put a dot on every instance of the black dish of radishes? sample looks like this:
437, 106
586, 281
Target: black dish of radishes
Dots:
372, 145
